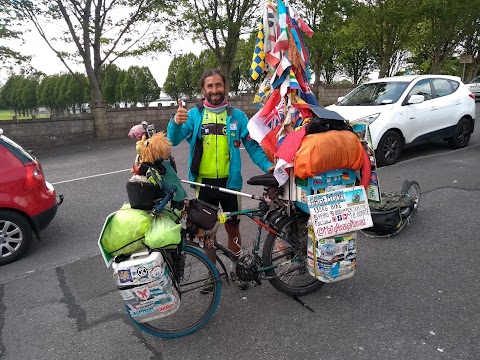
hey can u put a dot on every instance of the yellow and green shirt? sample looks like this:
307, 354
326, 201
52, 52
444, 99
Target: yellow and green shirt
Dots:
216, 156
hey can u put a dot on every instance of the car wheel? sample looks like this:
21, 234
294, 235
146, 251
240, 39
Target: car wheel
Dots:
15, 236
389, 148
461, 135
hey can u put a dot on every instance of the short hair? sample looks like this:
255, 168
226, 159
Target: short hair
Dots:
209, 73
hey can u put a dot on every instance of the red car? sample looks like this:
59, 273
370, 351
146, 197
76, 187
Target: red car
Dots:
28, 203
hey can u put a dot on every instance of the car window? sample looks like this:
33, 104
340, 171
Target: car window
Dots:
422, 88
476, 80
442, 87
373, 94
16, 149
454, 84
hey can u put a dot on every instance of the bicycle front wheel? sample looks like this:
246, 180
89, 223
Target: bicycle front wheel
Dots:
287, 252
199, 287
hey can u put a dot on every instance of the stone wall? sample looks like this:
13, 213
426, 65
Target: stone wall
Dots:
329, 94
115, 123
50, 131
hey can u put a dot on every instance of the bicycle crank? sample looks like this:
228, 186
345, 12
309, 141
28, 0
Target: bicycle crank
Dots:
248, 273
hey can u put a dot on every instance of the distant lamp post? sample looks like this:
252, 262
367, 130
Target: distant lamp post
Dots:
465, 59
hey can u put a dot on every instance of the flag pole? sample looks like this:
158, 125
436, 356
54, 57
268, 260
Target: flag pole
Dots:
228, 191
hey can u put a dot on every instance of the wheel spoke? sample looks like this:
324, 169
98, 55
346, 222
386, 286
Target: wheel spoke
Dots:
6, 246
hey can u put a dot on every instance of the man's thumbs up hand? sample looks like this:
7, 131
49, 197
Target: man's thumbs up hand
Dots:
181, 115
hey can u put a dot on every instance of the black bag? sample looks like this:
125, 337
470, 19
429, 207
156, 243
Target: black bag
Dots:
141, 194
202, 214
389, 215
319, 125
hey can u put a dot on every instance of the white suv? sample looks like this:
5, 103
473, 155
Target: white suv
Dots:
411, 109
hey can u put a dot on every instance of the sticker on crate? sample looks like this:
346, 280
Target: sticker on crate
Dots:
321, 183
339, 212
332, 259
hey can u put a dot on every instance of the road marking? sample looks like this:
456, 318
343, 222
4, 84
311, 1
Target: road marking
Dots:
91, 176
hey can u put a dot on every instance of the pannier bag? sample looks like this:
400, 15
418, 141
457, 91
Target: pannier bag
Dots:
164, 231
387, 215
141, 193
202, 214
125, 231
146, 286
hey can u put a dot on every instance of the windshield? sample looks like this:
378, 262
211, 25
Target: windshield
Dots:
373, 94
476, 80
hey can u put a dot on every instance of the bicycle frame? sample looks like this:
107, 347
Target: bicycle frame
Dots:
256, 215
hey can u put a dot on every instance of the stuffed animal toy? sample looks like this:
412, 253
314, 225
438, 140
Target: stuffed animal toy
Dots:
156, 148
138, 132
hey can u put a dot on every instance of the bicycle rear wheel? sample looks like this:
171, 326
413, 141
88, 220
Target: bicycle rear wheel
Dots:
412, 189
199, 287
290, 275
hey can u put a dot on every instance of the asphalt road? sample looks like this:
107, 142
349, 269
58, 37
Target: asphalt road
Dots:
414, 296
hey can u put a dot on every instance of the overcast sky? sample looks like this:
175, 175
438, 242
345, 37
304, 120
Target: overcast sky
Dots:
44, 59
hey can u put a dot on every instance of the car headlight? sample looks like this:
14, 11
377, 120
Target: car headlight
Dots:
369, 118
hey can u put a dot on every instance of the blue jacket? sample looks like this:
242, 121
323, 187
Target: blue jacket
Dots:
236, 129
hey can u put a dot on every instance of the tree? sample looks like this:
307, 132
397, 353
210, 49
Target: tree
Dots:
146, 87
326, 18
241, 79
170, 86
183, 75
76, 91
28, 95
218, 24
185, 82
98, 33
390, 27
205, 60
45, 93
110, 84
444, 26
118, 87
9, 22
127, 88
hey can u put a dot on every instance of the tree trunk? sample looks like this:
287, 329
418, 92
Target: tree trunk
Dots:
384, 67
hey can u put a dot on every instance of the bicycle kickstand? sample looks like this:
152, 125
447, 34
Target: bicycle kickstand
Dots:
301, 302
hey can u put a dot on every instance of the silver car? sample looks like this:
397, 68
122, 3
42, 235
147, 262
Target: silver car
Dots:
474, 87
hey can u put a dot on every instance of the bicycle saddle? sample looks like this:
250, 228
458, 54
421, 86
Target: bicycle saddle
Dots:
264, 179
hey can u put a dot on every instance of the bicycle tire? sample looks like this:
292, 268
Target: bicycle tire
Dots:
404, 187
414, 192
197, 275
277, 249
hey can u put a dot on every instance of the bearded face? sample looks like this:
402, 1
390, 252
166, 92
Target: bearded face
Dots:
214, 89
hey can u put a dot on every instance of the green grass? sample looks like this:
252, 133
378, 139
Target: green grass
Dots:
8, 115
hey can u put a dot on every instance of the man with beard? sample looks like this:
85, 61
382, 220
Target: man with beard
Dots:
215, 131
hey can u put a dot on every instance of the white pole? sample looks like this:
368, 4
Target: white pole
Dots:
228, 191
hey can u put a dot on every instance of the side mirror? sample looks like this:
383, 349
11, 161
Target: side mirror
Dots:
416, 99
340, 98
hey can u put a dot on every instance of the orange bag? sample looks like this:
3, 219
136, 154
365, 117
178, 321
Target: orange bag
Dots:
326, 151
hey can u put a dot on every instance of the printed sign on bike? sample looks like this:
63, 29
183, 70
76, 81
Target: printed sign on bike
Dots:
338, 212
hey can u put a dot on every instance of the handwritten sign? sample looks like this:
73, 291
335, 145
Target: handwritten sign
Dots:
339, 212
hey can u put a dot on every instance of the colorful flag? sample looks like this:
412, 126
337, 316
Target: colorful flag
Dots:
270, 27
290, 145
258, 59
286, 153
263, 133
293, 81
281, 43
301, 24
